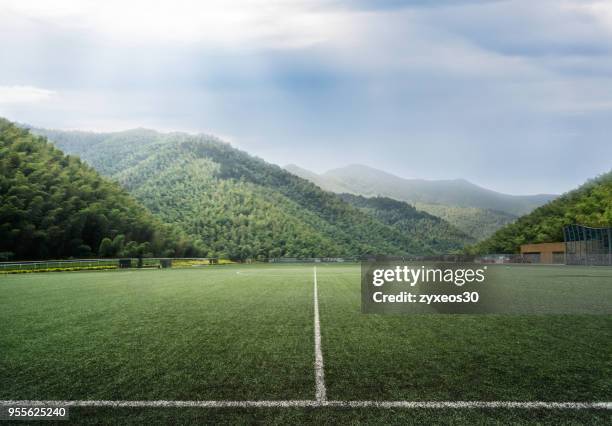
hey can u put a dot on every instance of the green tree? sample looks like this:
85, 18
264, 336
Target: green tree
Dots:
106, 248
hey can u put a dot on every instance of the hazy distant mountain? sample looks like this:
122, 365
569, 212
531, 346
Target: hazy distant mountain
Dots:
368, 181
471, 208
322, 181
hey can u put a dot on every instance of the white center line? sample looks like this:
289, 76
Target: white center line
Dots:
320, 392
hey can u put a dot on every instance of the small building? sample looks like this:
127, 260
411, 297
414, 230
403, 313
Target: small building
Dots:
551, 253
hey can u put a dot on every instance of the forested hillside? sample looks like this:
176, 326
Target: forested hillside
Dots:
590, 204
237, 205
476, 222
474, 210
428, 228
55, 206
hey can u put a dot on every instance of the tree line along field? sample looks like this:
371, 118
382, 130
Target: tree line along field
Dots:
245, 332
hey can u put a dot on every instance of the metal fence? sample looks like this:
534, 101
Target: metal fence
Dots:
587, 246
355, 259
58, 264
502, 258
311, 259
95, 264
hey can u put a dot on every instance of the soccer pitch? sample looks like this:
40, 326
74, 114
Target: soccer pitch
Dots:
287, 343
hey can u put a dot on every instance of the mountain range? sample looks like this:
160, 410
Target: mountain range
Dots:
239, 206
144, 193
475, 210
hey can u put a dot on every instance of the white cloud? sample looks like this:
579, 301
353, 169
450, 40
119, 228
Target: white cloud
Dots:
599, 10
247, 23
317, 79
24, 94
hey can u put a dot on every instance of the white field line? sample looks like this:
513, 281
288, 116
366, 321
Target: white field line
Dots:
320, 392
530, 405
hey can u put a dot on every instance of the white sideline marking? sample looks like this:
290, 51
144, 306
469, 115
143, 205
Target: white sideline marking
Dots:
320, 392
472, 404
530, 405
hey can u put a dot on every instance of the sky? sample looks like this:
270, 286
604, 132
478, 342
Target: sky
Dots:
515, 96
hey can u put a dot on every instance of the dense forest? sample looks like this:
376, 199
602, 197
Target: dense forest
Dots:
477, 222
427, 228
56, 206
590, 205
237, 205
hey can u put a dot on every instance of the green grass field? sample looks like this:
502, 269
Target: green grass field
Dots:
242, 332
